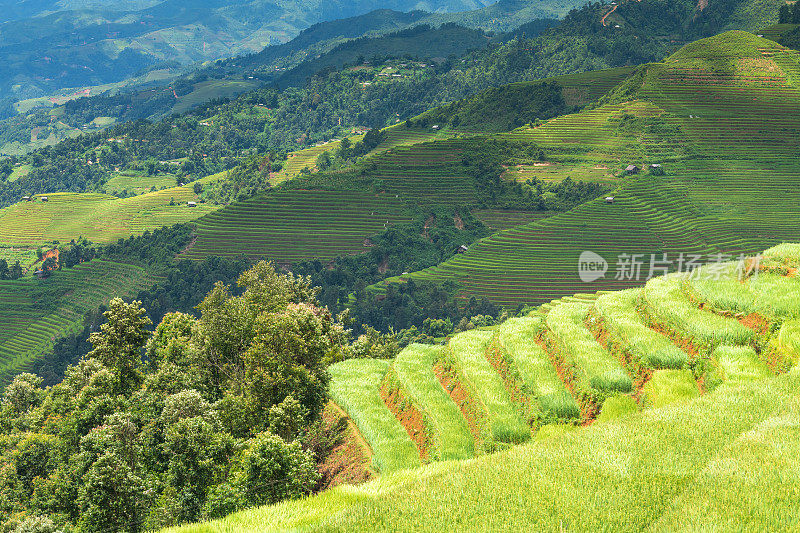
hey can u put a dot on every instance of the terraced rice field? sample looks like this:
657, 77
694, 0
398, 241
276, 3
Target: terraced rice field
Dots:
719, 462
98, 217
500, 219
395, 136
355, 388
586, 87
517, 337
469, 353
451, 434
598, 372
293, 225
33, 312
646, 348
136, 183
715, 124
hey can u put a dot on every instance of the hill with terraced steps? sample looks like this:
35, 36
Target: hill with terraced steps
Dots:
668, 402
677, 337
722, 117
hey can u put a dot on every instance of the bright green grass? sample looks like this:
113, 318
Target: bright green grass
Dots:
296, 225
539, 378
596, 368
19, 172
451, 436
667, 386
98, 217
700, 465
25, 255
723, 290
739, 362
770, 294
138, 183
789, 339
468, 349
787, 254
650, 348
355, 387
668, 305
751, 485
723, 115
616, 407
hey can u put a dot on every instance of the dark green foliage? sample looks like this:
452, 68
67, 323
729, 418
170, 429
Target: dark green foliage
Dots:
68, 350
789, 14
420, 42
430, 239
214, 421
247, 179
119, 342
155, 250
406, 305
791, 39
500, 109
328, 105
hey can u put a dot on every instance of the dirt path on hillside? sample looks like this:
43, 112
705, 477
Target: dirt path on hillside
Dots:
603, 20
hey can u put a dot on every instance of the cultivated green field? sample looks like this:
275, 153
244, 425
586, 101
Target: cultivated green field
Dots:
99, 218
34, 312
414, 166
722, 114
684, 450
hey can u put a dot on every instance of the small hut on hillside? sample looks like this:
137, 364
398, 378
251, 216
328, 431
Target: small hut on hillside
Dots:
463, 248
631, 169
191, 204
44, 198
609, 199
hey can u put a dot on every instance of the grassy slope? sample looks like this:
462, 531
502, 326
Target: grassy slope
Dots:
680, 464
411, 171
721, 114
97, 217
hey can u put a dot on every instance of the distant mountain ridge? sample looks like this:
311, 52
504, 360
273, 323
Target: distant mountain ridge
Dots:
46, 45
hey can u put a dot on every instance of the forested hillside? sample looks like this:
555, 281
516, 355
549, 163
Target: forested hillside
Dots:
48, 48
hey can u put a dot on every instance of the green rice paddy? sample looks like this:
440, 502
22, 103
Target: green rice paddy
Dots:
36, 312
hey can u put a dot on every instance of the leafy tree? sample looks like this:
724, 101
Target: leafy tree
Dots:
272, 470
216, 421
23, 393
4, 272
110, 498
16, 271
49, 265
119, 342
198, 453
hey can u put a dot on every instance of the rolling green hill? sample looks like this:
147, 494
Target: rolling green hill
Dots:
422, 42
89, 43
694, 411
100, 218
413, 167
720, 115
